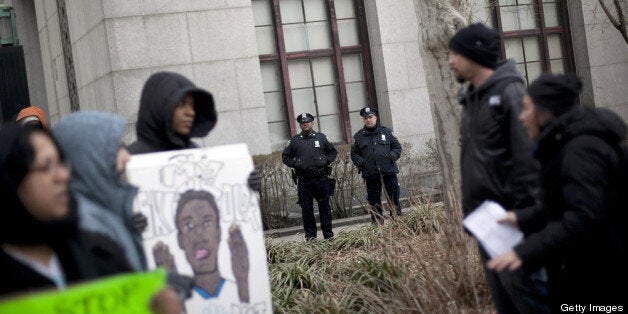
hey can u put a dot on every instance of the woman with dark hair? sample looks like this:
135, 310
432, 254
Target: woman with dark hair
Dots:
579, 231
41, 245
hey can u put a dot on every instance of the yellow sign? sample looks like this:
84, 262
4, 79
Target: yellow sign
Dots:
127, 293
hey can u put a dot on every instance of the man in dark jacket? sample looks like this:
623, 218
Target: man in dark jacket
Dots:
310, 154
579, 233
375, 151
496, 162
172, 111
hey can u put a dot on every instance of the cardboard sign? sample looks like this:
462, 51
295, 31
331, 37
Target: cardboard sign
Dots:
204, 221
128, 293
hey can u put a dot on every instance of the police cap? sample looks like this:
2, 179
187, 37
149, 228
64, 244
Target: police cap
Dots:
305, 117
368, 111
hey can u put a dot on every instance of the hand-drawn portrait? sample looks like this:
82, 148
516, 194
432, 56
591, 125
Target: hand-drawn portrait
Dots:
204, 222
197, 220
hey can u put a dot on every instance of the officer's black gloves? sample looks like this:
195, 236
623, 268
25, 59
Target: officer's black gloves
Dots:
140, 222
255, 179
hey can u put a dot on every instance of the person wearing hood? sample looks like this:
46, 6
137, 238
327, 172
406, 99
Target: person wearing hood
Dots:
42, 246
495, 158
375, 152
41, 242
91, 141
579, 232
173, 111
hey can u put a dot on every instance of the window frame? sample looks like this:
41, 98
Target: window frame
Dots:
336, 52
542, 32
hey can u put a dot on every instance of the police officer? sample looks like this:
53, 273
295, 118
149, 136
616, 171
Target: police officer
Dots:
375, 151
310, 154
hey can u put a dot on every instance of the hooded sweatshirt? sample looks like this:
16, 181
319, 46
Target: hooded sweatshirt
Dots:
496, 160
90, 142
161, 94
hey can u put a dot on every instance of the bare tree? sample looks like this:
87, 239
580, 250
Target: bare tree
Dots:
618, 17
438, 22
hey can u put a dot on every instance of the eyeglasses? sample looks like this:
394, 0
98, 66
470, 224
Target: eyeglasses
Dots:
51, 167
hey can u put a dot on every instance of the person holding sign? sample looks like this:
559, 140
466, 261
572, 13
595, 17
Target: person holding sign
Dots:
41, 244
173, 110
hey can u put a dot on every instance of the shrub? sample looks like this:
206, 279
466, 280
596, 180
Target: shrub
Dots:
419, 174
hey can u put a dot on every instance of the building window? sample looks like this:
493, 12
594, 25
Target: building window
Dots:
314, 58
535, 34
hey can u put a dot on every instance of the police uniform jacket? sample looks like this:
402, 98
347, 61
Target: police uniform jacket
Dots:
375, 151
309, 154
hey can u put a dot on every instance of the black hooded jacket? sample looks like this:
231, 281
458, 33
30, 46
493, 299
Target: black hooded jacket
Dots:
581, 237
496, 153
161, 94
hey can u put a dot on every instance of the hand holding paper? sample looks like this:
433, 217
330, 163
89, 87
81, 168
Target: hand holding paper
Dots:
496, 238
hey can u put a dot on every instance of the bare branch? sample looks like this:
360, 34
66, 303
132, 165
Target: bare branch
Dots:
620, 21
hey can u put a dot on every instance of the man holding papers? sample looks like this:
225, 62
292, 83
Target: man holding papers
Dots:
495, 162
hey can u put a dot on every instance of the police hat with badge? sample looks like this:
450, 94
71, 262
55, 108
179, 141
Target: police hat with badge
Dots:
368, 111
305, 117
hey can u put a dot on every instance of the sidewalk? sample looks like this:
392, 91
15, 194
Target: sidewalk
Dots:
296, 233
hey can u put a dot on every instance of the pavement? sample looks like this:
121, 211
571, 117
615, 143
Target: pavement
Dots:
296, 233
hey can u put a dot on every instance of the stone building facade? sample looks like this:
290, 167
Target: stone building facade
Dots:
267, 60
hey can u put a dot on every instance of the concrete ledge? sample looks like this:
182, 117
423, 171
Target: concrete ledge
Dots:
284, 232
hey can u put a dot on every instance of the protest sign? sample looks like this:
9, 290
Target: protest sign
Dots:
126, 293
204, 221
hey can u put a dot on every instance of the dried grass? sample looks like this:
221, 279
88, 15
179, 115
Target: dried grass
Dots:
422, 262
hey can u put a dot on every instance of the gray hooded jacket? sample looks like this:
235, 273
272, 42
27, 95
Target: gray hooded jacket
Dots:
90, 142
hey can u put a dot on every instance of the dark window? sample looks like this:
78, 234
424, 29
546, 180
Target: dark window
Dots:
314, 57
535, 34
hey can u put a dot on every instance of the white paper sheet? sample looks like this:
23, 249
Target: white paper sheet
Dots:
496, 238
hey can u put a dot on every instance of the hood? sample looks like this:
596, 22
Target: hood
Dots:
90, 142
161, 93
600, 122
505, 70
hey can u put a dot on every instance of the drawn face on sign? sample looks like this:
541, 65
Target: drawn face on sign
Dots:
198, 223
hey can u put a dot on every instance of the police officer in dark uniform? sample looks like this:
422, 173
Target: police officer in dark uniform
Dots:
310, 154
375, 151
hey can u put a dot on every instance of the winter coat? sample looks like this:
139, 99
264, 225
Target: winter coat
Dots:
162, 93
496, 161
81, 257
375, 152
582, 236
105, 201
309, 154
